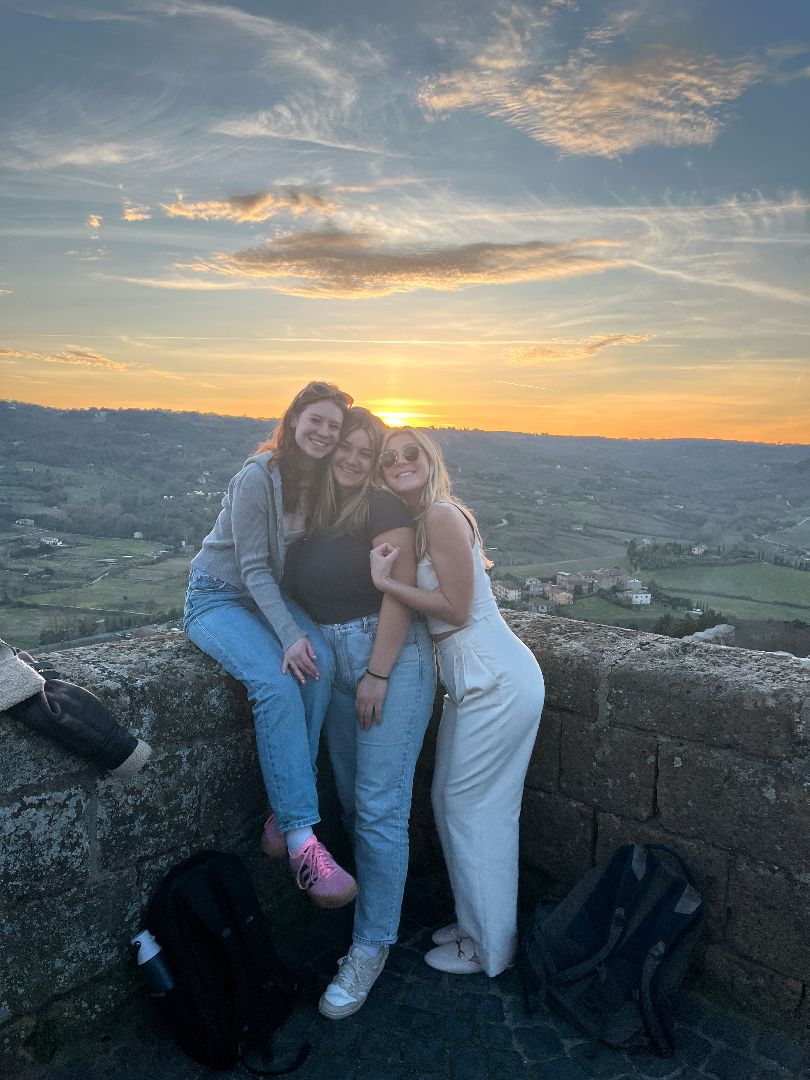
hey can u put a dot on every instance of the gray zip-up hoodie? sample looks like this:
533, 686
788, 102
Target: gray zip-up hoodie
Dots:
246, 545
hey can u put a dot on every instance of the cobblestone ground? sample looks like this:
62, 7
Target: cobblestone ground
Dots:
420, 1024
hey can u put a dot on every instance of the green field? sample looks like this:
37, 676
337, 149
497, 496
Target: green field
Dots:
597, 609
747, 590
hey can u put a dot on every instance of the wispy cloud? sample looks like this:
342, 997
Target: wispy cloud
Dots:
93, 222
73, 356
562, 349
603, 99
352, 265
133, 212
252, 208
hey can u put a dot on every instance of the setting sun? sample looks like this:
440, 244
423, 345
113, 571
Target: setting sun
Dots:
396, 419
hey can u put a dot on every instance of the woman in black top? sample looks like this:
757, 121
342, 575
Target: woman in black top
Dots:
383, 691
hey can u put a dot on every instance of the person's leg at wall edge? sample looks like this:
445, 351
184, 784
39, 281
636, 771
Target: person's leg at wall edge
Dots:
386, 757
225, 627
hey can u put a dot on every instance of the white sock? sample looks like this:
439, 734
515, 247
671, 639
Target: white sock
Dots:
368, 950
296, 837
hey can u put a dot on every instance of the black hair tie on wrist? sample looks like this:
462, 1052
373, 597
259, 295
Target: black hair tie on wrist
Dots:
374, 675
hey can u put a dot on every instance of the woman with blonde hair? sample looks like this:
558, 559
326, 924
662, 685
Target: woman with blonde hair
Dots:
492, 706
383, 690
237, 613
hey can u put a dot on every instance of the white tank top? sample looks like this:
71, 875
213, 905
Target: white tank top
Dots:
483, 602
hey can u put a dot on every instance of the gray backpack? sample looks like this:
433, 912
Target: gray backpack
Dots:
612, 953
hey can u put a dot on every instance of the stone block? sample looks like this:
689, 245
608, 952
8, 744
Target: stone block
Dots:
50, 948
232, 796
44, 843
770, 918
163, 688
556, 835
572, 655
155, 811
544, 767
28, 760
769, 997
609, 768
760, 809
730, 698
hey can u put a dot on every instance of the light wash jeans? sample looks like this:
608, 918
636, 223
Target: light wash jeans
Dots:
226, 624
374, 769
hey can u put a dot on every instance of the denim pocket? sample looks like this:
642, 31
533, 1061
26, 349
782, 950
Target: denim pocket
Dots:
198, 579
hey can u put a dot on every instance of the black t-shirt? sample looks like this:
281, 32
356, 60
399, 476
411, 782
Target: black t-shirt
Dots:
330, 576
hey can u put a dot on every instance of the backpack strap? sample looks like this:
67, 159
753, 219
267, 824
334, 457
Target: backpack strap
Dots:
633, 884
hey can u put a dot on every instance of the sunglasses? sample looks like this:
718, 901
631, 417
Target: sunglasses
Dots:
324, 391
408, 453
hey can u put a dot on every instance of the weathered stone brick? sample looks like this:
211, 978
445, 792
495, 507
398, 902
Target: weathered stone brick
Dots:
544, 767
28, 760
65, 944
707, 865
571, 653
44, 845
232, 791
731, 698
163, 688
770, 918
556, 835
761, 809
609, 768
771, 997
155, 811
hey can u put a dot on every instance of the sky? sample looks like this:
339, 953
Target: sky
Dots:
572, 217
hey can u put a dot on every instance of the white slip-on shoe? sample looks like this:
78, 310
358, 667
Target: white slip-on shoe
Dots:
356, 975
447, 935
457, 958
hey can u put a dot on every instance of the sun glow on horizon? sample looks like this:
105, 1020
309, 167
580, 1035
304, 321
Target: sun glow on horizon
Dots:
395, 419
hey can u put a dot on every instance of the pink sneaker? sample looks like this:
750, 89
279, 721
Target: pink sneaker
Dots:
273, 842
328, 885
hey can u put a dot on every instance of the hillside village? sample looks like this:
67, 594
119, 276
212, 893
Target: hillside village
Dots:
543, 596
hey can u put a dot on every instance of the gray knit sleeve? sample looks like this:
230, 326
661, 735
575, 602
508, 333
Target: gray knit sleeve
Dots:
254, 524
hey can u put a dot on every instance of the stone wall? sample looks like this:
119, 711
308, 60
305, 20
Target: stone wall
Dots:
643, 738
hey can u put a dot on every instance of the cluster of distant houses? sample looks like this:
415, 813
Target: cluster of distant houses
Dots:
544, 596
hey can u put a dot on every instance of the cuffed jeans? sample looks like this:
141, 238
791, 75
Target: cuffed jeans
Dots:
227, 625
489, 723
374, 769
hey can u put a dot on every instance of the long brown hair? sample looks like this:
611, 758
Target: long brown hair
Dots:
437, 489
285, 452
328, 515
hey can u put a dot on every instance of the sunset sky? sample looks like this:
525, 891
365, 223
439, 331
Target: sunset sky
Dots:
564, 216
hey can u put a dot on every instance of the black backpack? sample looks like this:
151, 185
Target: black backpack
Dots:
617, 947
231, 989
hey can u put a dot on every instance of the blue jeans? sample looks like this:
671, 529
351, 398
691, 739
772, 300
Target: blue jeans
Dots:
226, 624
374, 769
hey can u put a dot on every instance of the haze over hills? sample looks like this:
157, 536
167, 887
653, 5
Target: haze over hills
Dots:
543, 502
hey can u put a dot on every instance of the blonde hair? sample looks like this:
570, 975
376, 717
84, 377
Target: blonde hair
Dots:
328, 515
437, 489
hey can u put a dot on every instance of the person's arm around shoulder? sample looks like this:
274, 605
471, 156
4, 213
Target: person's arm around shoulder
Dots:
449, 545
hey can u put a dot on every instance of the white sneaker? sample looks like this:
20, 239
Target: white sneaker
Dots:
356, 975
447, 935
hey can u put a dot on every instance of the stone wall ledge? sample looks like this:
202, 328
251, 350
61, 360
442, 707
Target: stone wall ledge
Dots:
644, 738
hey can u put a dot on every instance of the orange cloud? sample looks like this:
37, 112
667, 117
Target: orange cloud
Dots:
338, 263
256, 207
600, 101
133, 212
73, 355
93, 222
561, 349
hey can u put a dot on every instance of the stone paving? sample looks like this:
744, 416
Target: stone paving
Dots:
419, 1024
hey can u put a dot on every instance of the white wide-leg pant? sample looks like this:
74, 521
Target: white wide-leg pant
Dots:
491, 715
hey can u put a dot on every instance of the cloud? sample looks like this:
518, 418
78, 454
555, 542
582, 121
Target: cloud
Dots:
93, 222
133, 212
562, 349
340, 264
308, 119
252, 208
605, 98
73, 355
5, 290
